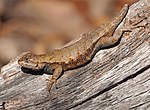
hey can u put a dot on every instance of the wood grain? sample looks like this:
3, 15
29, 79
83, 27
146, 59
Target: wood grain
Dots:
118, 78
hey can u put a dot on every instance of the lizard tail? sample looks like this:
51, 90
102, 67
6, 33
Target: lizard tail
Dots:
118, 19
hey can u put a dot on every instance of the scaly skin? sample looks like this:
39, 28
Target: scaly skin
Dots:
76, 53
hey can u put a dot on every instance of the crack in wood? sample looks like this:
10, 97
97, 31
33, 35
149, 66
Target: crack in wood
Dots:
134, 107
110, 87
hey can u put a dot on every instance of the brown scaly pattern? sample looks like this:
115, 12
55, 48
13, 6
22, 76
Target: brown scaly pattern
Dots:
77, 53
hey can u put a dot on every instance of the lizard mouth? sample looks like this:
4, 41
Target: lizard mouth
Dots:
28, 65
36, 65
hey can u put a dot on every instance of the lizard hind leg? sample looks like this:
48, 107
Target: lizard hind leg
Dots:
55, 76
118, 33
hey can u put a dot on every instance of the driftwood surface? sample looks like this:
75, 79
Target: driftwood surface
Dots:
118, 78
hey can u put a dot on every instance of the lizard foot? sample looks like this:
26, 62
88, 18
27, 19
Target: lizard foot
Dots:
49, 85
51, 82
141, 23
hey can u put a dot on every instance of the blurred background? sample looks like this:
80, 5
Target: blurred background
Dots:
42, 25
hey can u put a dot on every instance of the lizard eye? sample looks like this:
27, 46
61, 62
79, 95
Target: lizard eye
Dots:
26, 59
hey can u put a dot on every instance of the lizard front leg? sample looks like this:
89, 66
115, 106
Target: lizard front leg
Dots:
57, 72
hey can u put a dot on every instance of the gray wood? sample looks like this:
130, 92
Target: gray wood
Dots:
118, 78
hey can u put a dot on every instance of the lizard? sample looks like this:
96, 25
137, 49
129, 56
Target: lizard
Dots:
77, 53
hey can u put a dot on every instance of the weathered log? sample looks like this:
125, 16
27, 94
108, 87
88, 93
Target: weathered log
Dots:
118, 78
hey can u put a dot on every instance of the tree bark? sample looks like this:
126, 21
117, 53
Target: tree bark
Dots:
118, 78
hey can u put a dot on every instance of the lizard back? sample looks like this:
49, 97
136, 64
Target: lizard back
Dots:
75, 53
82, 50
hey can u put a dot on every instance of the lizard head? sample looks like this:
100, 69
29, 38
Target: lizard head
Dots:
31, 61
